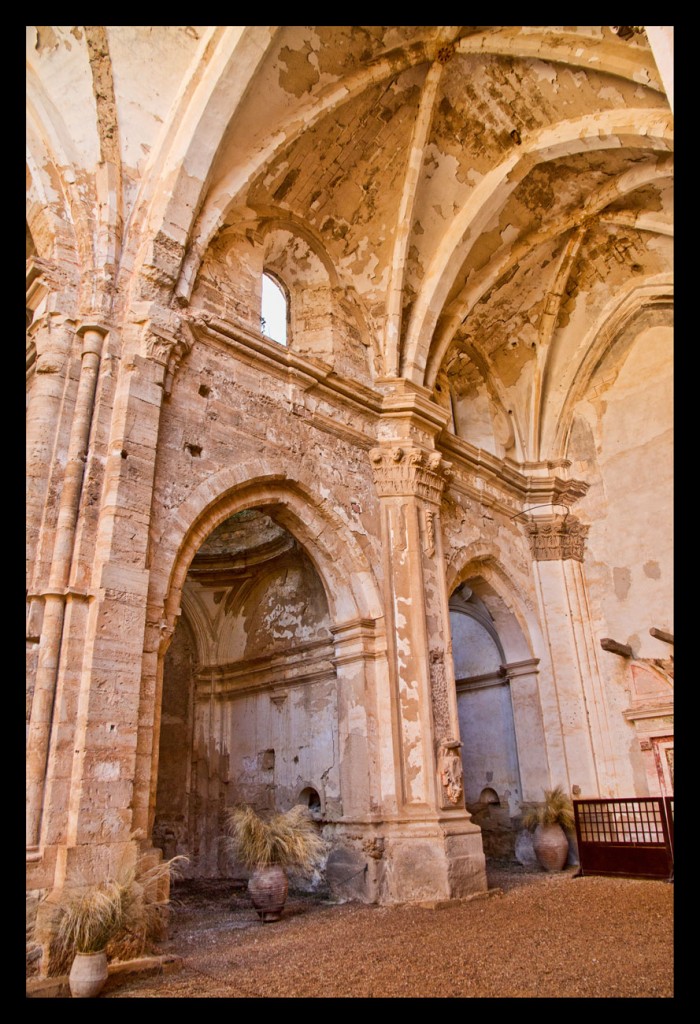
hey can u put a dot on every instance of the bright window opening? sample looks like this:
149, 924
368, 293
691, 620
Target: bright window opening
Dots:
273, 321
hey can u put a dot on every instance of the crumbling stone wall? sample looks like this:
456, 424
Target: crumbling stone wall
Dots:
479, 309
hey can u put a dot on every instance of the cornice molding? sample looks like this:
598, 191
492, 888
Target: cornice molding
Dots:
501, 483
311, 662
269, 356
392, 404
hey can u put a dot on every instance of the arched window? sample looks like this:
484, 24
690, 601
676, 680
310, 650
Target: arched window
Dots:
273, 318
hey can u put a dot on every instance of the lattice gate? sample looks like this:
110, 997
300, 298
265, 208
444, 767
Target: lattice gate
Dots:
625, 837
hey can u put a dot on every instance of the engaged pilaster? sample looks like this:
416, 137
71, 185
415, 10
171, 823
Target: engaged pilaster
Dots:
410, 481
575, 707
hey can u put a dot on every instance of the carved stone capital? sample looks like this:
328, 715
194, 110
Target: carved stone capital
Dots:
162, 331
163, 336
557, 539
165, 349
409, 471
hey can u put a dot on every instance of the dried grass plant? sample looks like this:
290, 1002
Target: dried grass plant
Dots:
122, 916
289, 839
557, 809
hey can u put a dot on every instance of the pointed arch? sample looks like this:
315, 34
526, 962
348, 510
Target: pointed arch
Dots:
556, 427
639, 128
515, 622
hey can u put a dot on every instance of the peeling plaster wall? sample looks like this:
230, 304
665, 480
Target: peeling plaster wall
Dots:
481, 214
58, 56
622, 437
262, 704
249, 710
282, 743
489, 753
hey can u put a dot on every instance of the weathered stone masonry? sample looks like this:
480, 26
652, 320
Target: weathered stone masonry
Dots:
397, 568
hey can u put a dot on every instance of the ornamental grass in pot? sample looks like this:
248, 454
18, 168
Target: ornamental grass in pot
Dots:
89, 920
549, 823
116, 919
267, 846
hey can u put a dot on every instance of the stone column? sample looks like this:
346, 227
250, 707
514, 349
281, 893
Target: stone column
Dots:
113, 734
432, 849
52, 338
39, 732
359, 656
410, 481
573, 704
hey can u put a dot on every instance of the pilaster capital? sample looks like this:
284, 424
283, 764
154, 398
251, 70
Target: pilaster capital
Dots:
557, 538
163, 336
91, 323
410, 471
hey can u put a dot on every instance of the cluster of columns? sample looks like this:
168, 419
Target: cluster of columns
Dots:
90, 741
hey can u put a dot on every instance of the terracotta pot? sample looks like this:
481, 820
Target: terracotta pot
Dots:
551, 847
268, 889
88, 974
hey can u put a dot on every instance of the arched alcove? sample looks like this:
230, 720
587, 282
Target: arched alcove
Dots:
489, 751
500, 721
249, 706
476, 413
250, 257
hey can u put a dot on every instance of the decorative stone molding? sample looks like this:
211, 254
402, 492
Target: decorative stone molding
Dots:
438, 686
165, 336
429, 532
409, 472
557, 539
652, 691
450, 769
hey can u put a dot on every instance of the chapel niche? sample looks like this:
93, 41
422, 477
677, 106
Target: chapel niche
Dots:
249, 710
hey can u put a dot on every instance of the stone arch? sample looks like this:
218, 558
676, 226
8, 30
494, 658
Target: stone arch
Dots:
501, 720
326, 320
600, 339
641, 128
515, 623
342, 564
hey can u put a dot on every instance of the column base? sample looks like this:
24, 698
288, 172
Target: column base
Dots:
407, 862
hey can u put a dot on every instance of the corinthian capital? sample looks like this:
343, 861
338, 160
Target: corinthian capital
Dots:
409, 471
557, 539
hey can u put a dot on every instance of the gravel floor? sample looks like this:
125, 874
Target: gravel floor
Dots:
534, 935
